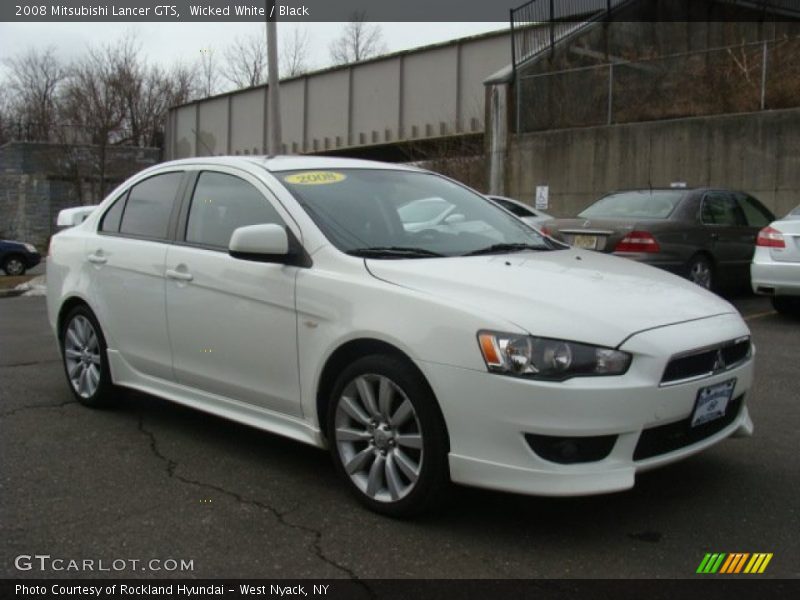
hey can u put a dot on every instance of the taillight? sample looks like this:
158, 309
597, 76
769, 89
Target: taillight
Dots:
770, 237
638, 241
546, 230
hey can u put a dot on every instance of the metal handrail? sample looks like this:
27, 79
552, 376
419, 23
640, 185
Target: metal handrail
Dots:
538, 25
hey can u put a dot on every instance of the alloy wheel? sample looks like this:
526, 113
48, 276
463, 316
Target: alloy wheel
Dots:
82, 356
14, 267
379, 438
700, 273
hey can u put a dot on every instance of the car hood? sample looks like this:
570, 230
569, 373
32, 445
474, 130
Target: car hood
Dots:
569, 294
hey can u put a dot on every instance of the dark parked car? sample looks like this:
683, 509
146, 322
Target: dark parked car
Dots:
17, 257
706, 235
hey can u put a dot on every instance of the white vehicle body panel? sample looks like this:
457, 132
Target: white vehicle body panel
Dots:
778, 269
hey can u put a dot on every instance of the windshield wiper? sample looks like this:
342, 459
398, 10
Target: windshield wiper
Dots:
503, 248
393, 252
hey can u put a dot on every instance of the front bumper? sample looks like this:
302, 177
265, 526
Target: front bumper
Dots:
488, 415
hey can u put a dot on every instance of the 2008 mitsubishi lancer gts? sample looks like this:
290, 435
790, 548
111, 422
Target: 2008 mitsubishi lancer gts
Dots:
295, 294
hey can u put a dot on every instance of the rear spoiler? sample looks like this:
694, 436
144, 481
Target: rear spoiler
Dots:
69, 217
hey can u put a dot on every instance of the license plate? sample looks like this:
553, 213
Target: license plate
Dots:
712, 401
587, 242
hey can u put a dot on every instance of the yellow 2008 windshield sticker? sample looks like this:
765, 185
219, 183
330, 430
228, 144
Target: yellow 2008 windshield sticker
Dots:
314, 178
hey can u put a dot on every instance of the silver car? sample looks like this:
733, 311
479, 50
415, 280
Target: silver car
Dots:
775, 270
531, 216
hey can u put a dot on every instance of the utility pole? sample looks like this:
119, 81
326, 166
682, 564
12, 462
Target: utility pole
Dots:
274, 123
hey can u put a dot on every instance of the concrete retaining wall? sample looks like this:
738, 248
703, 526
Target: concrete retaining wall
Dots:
755, 152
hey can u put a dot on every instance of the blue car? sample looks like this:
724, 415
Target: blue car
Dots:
18, 257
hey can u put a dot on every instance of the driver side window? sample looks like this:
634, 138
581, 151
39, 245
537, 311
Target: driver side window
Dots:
222, 203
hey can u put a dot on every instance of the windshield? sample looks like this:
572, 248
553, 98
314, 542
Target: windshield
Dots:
642, 204
405, 214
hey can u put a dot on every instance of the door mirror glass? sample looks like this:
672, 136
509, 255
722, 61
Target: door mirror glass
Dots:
266, 242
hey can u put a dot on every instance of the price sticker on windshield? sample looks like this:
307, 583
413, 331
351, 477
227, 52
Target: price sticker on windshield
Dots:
315, 178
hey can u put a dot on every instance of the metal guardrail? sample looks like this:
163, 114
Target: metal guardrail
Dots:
538, 25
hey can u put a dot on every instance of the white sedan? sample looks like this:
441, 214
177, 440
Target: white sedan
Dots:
775, 270
286, 293
531, 216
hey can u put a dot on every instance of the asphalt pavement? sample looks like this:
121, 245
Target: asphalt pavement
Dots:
153, 480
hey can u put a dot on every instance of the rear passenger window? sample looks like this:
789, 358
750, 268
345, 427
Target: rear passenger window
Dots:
756, 213
220, 204
113, 216
149, 206
720, 208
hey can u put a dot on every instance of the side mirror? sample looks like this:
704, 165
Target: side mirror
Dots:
267, 242
70, 217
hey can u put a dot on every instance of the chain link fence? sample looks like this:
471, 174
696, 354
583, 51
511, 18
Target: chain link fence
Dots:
746, 77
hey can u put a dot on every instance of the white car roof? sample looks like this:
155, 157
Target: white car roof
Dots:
290, 163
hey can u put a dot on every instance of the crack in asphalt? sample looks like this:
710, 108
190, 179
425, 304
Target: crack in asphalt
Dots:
11, 413
280, 516
30, 363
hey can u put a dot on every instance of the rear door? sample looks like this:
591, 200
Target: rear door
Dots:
232, 322
730, 239
127, 277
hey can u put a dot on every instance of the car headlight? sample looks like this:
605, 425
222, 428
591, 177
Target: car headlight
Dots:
548, 359
30, 248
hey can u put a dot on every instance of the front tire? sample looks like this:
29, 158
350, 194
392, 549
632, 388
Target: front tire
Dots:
700, 271
85, 359
387, 437
14, 266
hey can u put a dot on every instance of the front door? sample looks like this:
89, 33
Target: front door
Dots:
232, 323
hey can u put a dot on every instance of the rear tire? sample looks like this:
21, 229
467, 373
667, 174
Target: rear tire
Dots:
85, 359
700, 271
786, 305
387, 437
14, 266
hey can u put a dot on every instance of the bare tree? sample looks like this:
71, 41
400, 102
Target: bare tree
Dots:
246, 61
34, 78
294, 53
8, 117
93, 106
183, 82
209, 78
359, 40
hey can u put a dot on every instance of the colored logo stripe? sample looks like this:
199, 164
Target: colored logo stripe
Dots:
711, 563
758, 563
733, 563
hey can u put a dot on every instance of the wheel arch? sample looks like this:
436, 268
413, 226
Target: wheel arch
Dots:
66, 306
346, 354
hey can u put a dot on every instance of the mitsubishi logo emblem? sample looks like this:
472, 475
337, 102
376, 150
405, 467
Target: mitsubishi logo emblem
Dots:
719, 361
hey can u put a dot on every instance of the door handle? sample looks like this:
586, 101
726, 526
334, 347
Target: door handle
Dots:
714, 236
97, 258
179, 275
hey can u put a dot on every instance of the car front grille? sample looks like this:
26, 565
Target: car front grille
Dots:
706, 361
673, 436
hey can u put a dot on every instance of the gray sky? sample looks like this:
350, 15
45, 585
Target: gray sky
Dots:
168, 42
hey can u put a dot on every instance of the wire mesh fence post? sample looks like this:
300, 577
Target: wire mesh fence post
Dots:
610, 93
764, 75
